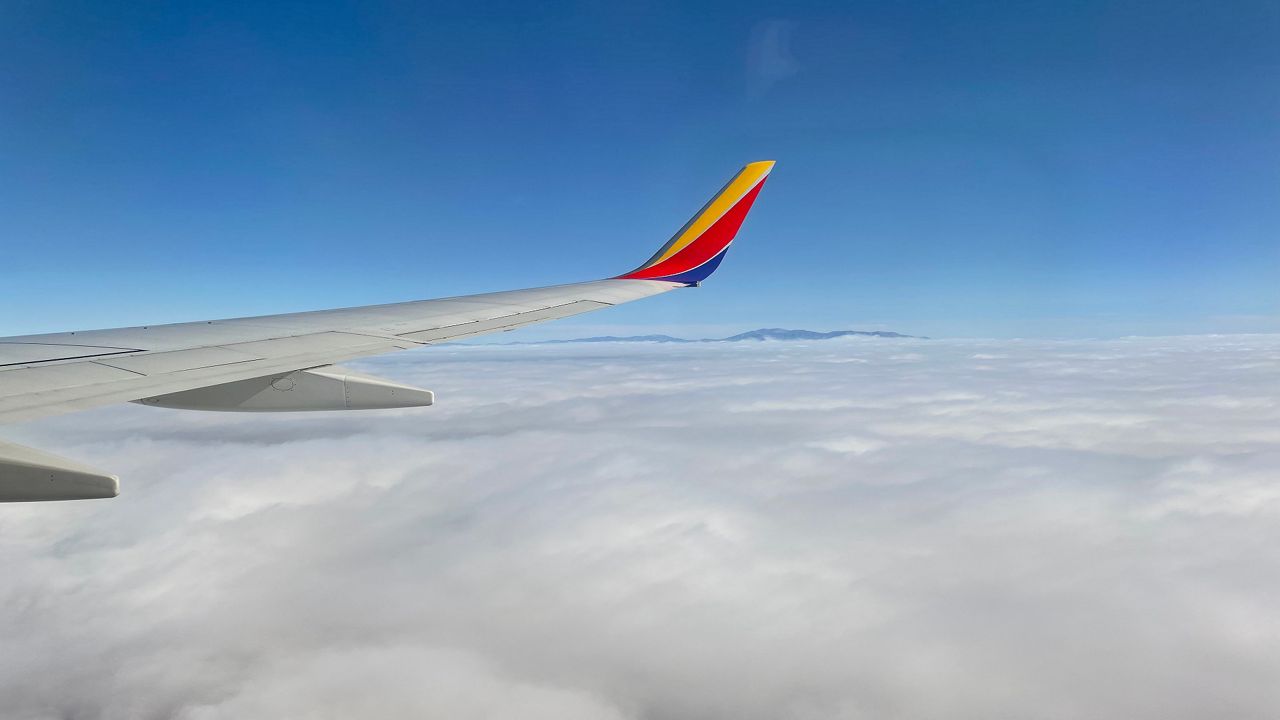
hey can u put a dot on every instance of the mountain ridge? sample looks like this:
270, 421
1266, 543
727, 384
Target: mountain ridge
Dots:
759, 335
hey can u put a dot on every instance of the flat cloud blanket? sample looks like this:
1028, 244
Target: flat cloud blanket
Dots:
838, 529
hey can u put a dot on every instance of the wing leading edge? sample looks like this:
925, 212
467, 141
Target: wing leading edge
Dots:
272, 362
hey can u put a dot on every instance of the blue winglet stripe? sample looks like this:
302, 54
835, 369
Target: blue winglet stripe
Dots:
699, 273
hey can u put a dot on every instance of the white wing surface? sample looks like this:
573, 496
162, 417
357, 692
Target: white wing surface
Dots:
51, 374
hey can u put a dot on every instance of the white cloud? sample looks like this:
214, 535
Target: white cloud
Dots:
812, 530
395, 681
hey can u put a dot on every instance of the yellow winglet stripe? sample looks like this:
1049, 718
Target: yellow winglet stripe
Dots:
751, 175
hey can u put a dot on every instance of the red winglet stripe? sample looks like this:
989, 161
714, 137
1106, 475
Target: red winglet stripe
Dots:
708, 245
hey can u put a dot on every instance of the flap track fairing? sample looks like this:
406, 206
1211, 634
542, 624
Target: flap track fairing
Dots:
326, 388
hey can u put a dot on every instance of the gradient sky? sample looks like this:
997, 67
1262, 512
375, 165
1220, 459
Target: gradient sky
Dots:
963, 169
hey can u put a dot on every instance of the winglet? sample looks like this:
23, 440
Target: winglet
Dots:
696, 251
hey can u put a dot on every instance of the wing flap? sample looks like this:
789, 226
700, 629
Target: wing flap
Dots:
317, 343
161, 363
40, 379
478, 327
33, 353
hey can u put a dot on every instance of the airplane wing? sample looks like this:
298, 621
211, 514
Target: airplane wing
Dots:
287, 362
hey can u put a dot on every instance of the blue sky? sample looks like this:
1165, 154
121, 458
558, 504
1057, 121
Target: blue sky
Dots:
950, 169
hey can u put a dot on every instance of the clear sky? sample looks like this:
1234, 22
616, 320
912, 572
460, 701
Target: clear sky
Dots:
944, 168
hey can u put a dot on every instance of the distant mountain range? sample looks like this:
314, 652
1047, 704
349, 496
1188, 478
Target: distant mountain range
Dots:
760, 335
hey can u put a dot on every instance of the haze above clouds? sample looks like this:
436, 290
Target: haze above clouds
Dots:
847, 529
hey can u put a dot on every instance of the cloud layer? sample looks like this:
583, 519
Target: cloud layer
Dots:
843, 529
